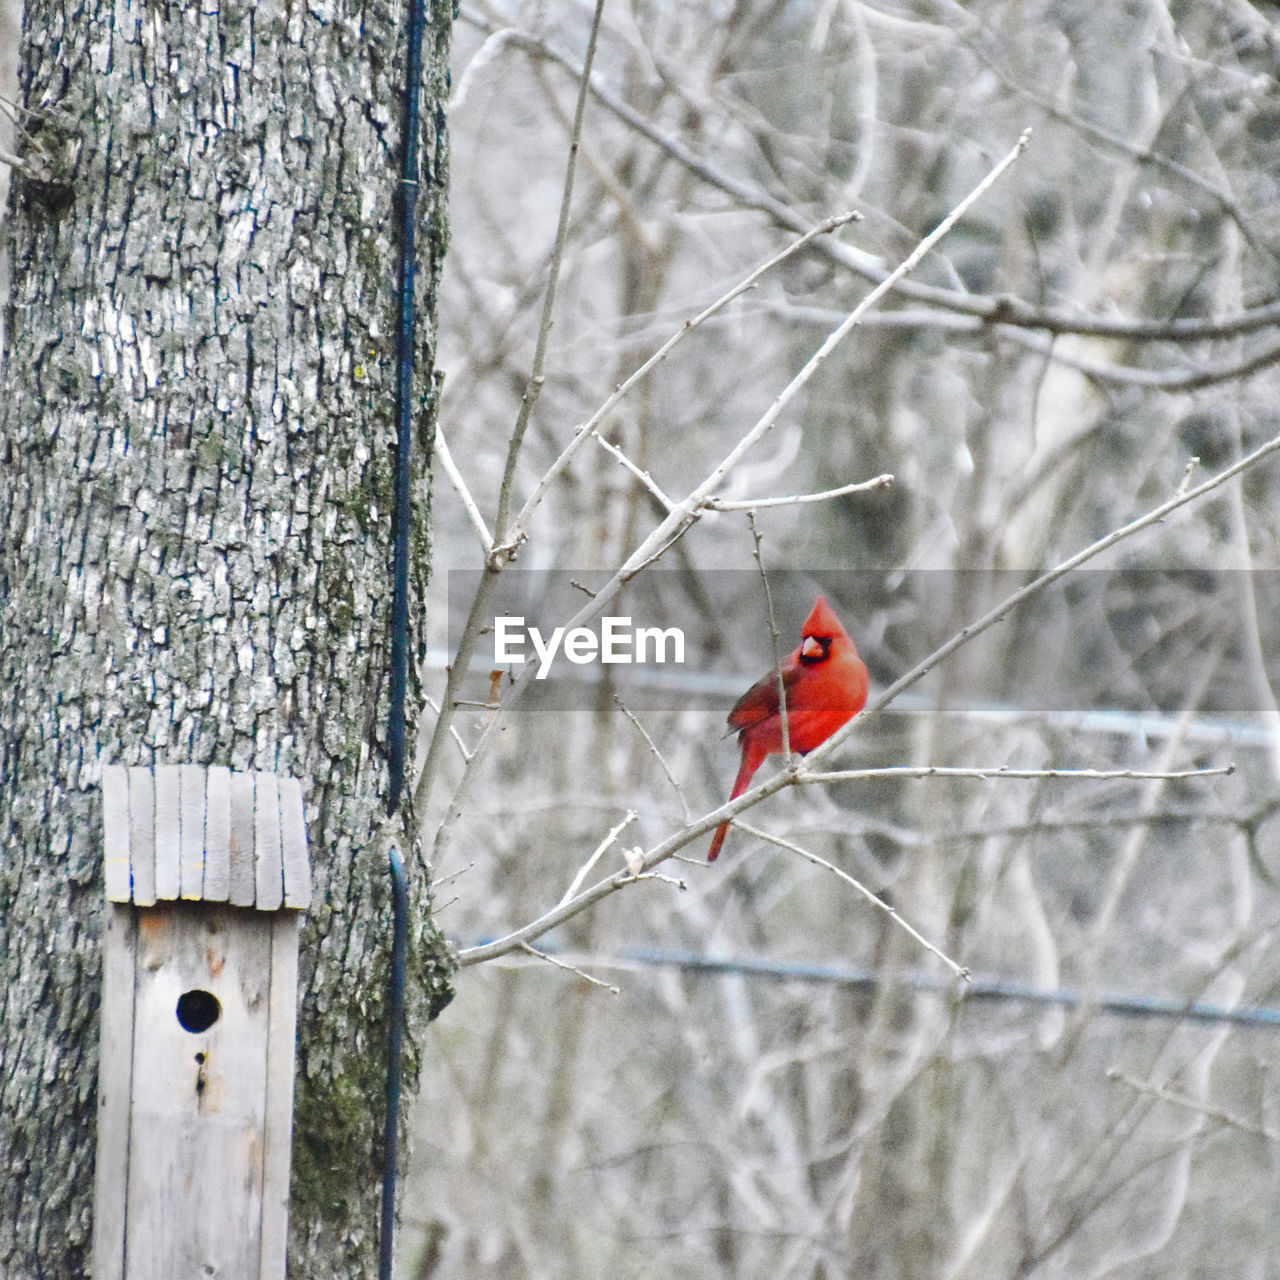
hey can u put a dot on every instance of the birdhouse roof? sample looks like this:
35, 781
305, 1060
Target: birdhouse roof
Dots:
204, 834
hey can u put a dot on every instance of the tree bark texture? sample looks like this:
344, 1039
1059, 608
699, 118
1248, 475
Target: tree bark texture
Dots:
196, 471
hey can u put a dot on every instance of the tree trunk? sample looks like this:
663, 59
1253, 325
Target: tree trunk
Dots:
196, 470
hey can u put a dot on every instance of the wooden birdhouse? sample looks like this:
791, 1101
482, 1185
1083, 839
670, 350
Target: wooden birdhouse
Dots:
206, 876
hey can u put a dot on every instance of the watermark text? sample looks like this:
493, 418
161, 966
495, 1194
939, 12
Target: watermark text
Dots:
617, 641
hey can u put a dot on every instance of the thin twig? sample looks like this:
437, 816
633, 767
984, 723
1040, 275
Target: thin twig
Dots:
460, 487
958, 969
791, 500
16, 162
567, 910
774, 637
1002, 771
635, 876
671, 778
456, 673
569, 968
1164, 1090
453, 875
549, 299
599, 853
453, 729
640, 474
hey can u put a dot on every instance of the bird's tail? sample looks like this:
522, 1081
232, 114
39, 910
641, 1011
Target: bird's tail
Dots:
717, 840
746, 771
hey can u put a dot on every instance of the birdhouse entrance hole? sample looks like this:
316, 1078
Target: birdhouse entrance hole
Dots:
198, 1010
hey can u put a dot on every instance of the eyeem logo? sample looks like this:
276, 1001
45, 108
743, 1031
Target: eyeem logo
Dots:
618, 641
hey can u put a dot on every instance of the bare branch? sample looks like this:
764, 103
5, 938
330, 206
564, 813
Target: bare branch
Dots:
749, 281
1003, 771
453, 729
990, 309
16, 162
774, 638
960, 971
789, 777
549, 300
1144, 155
600, 850
643, 476
569, 968
1165, 1092
1037, 585
861, 486
460, 487
457, 672
1174, 381
661, 759
567, 910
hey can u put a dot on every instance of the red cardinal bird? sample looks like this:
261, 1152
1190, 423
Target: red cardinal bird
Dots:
826, 686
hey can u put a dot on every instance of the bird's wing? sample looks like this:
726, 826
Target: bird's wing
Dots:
761, 700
